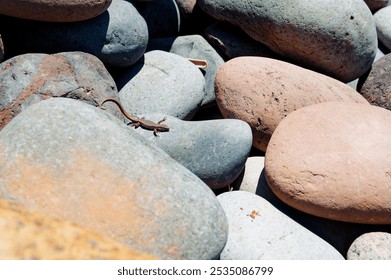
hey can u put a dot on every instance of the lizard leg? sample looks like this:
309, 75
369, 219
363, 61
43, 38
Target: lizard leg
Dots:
134, 124
155, 132
163, 120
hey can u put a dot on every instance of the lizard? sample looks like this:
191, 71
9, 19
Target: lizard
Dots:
139, 122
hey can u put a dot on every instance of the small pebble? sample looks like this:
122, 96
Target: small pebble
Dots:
371, 246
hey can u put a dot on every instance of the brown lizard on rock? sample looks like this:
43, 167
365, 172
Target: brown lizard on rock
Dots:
136, 122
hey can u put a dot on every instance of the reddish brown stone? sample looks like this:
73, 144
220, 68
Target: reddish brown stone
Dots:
54, 10
29, 78
333, 160
262, 91
376, 88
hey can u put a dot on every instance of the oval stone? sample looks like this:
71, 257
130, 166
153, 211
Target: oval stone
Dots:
29, 78
214, 150
194, 46
259, 231
70, 160
54, 10
29, 235
164, 83
333, 160
337, 38
262, 91
371, 246
383, 26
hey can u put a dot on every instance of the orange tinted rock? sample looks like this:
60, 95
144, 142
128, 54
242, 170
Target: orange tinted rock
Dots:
54, 10
72, 161
28, 235
333, 160
262, 91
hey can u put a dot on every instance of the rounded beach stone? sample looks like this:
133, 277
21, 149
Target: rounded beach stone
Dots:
54, 10
371, 246
333, 37
383, 26
73, 161
118, 37
376, 86
333, 160
29, 78
214, 150
31, 235
258, 230
194, 46
262, 91
162, 83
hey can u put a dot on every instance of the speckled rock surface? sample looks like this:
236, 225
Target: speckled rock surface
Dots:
376, 86
333, 37
332, 160
194, 46
371, 246
383, 26
162, 83
72, 161
214, 150
31, 235
54, 10
263, 91
29, 78
118, 37
259, 231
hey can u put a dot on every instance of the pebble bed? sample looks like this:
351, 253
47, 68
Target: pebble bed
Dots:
275, 129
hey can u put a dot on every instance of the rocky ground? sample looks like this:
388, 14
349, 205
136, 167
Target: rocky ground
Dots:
278, 149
